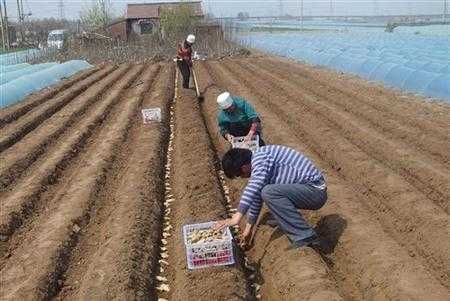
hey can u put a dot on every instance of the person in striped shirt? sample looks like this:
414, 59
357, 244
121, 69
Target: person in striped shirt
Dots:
285, 180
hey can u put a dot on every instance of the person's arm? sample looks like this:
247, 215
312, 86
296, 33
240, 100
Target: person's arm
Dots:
179, 51
251, 201
254, 117
223, 127
251, 197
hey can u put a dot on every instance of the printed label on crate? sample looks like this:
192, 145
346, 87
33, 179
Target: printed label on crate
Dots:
151, 115
238, 142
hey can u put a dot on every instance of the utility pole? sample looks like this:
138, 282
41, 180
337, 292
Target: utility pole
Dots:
1, 24
280, 7
19, 21
444, 17
376, 8
301, 13
331, 8
6, 25
61, 10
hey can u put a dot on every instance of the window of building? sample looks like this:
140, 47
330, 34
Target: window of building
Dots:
146, 27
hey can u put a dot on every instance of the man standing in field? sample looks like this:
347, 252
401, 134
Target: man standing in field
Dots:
285, 180
184, 59
237, 118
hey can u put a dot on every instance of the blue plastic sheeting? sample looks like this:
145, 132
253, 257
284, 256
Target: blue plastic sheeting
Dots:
439, 87
417, 63
19, 56
398, 75
19, 88
10, 68
9, 76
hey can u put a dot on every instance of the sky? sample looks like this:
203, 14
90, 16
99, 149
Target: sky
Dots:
225, 8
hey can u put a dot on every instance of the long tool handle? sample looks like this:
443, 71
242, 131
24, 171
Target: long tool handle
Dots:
195, 82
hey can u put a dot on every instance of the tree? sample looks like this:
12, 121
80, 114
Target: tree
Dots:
177, 21
243, 16
96, 16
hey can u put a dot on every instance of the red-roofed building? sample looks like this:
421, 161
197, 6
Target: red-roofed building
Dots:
144, 18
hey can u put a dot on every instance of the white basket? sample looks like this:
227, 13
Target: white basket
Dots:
151, 115
214, 253
238, 142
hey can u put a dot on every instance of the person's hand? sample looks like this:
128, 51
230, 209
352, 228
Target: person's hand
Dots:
246, 237
229, 137
249, 136
229, 222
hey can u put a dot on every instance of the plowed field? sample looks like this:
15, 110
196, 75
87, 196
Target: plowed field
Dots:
93, 200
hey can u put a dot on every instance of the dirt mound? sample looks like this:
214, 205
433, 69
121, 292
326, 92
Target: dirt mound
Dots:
84, 190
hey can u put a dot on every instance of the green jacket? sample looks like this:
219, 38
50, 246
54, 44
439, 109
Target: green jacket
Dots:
243, 115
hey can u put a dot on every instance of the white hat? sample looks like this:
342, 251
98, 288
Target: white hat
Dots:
225, 100
191, 39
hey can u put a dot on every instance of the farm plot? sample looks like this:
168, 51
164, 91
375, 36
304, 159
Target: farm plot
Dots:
82, 189
386, 222
85, 187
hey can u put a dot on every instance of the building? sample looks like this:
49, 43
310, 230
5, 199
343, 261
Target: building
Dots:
144, 18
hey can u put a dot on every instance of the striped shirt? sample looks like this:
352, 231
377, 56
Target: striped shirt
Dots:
276, 164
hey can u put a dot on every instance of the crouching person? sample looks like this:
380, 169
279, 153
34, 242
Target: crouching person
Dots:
286, 181
237, 117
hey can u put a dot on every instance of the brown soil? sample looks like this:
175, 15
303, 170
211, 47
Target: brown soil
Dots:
198, 199
82, 187
381, 205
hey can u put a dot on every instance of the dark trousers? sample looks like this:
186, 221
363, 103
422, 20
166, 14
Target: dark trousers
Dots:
284, 200
185, 72
242, 130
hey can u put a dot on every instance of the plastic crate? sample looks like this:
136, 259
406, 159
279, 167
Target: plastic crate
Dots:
214, 253
151, 115
238, 142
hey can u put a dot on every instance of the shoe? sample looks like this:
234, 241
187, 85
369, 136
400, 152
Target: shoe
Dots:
311, 242
271, 222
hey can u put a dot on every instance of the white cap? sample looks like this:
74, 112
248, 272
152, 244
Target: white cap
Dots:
224, 100
191, 39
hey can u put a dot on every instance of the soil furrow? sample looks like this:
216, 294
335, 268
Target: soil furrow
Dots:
380, 120
397, 226
429, 176
405, 108
21, 200
15, 131
118, 249
198, 199
18, 157
284, 274
33, 270
13, 112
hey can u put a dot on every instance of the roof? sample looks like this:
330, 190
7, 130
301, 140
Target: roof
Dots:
57, 31
117, 21
153, 10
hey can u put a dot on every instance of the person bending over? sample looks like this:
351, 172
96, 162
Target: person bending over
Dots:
286, 181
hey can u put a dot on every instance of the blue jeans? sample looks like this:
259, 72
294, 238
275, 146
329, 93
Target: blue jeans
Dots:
284, 200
